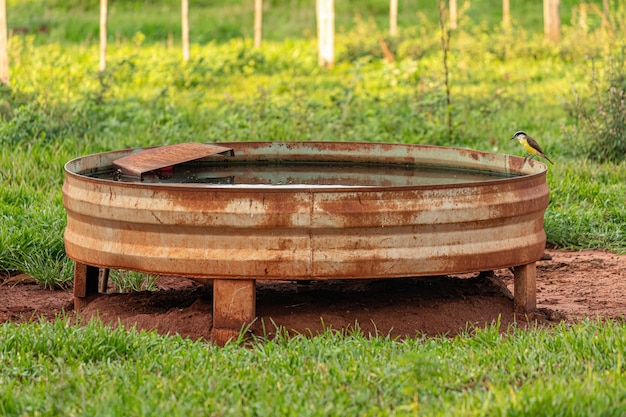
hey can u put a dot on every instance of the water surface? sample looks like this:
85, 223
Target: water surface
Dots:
292, 174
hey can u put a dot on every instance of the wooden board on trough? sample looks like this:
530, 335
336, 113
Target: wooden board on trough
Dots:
138, 163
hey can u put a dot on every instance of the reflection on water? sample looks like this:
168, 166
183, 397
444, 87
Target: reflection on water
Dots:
306, 174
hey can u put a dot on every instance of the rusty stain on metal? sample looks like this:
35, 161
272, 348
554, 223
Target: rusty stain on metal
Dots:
303, 233
162, 157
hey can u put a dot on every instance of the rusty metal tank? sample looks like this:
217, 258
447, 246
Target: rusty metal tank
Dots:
325, 210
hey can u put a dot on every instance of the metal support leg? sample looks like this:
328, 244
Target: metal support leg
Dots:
525, 288
104, 280
234, 306
85, 284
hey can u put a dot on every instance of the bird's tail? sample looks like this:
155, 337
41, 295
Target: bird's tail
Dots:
549, 160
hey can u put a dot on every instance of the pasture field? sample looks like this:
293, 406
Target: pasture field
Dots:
58, 107
59, 368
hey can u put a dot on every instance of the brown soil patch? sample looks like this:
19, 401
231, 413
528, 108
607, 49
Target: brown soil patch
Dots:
570, 286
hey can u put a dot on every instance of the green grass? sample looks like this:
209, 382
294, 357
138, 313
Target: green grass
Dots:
58, 107
364, 101
59, 369
131, 281
587, 209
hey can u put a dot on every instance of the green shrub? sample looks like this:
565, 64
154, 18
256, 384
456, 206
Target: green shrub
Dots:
603, 115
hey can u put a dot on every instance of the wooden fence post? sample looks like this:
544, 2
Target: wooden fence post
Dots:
582, 16
453, 15
551, 20
103, 35
325, 32
4, 44
393, 17
258, 22
506, 14
184, 12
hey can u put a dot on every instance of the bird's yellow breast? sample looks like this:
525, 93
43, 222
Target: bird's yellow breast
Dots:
528, 148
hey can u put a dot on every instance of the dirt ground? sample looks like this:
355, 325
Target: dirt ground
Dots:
570, 287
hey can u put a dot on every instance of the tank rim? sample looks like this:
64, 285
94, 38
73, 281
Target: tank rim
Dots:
539, 168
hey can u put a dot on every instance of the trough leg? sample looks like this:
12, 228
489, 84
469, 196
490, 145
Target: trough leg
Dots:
85, 284
234, 306
525, 288
104, 280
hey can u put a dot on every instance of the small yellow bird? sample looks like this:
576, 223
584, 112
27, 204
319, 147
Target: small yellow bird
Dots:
530, 145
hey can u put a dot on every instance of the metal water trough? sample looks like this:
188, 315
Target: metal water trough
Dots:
237, 234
